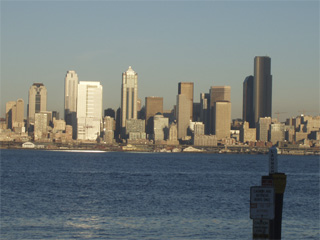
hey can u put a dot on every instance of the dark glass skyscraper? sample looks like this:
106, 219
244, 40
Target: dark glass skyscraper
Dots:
262, 88
247, 109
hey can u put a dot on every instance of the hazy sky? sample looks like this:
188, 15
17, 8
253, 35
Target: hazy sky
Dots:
210, 43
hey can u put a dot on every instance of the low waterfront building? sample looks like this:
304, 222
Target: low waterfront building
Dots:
205, 140
247, 134
135, 129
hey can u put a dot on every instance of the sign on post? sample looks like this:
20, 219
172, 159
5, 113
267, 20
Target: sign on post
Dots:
260, 229
262, 202
273, 160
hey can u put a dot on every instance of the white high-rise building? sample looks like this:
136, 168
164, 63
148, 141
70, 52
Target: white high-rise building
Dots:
70, 100
89, 110
129, 97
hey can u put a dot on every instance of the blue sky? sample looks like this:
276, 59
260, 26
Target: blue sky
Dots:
210, 43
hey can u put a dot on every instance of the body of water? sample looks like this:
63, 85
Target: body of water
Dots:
69, 195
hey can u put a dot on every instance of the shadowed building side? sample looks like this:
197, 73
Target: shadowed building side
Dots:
247, 109
262, 88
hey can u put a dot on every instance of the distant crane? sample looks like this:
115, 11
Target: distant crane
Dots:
277, 113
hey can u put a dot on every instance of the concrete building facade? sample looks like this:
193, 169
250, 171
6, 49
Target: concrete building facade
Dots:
89, 110
277, 132
41, 126
160, 127
263, 129
186, 88
222, 122
108, 128
248, 134
15, 115
183, 115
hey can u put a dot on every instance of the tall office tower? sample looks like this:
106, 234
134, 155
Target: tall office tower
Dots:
222, 122
10, 114
37, 102
186, 88
70, 101
262, 88
154, 105
89, 110
218, 94
183, 115
129, 97
14, 115
247, 108
205, 111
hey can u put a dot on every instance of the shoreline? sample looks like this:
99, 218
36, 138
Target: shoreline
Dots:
102, 148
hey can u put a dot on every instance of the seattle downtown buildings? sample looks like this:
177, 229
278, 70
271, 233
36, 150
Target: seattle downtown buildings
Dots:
207, 123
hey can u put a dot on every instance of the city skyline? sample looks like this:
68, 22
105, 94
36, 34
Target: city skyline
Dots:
214, 47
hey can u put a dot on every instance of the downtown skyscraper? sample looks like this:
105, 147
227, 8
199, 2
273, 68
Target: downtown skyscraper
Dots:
37, 103
89, 110
247, 108
129, 97
262, 88
70, 100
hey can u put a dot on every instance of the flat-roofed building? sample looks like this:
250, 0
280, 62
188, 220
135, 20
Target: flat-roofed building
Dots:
262, 88
222, 120
183, 115
217, 94
186, 88
41, 126
108, 127
263, 129
89, 110
247, 134
277, 132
